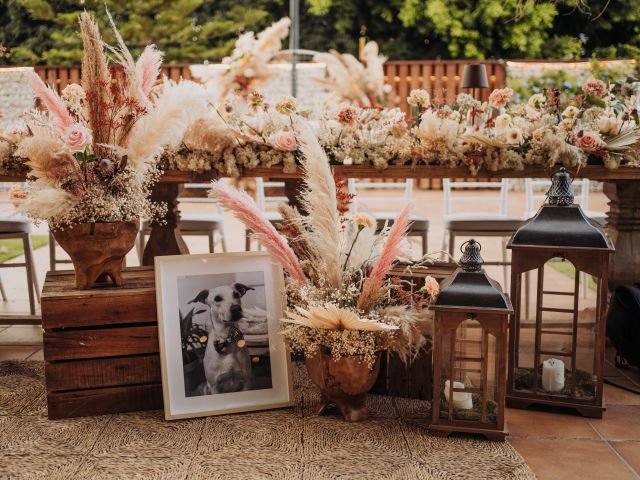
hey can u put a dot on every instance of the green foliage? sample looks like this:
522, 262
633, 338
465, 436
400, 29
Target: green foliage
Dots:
45, 31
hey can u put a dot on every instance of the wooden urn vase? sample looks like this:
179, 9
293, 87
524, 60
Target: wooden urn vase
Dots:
343, 382
98, 249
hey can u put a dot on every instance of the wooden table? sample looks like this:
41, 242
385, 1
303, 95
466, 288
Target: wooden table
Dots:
621, 187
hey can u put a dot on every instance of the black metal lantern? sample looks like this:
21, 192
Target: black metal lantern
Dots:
557, 356
470, 351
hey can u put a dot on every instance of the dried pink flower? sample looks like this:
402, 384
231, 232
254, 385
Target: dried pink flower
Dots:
347, 116
595, 88
500, 97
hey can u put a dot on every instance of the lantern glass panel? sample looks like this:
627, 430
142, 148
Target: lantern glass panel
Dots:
474, 359
559, 337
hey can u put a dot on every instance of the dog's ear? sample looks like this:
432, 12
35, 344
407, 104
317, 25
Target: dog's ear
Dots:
201, 297
242, 289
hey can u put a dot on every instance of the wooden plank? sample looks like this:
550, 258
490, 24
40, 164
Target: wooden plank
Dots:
104, 401
103, 372
103, 342
63, 305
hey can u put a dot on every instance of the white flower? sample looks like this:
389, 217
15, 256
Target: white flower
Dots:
503, 121
287, 105
570, 111
537, 100
514, 136
608, 125
418, 97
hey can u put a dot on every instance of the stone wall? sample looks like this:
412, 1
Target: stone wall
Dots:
16, 95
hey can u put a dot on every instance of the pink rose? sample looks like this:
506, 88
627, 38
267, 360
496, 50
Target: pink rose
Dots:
284, 141
500, 97
77, 137
590, 142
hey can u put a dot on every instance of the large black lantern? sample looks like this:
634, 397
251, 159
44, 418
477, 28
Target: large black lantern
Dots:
556, 357
470, 351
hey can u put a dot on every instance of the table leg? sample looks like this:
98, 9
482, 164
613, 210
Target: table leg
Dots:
165, 239
623, 227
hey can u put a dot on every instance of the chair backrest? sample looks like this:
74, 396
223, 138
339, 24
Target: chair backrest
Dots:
499, 199
201, 196
536, 193
263, 199
404, 191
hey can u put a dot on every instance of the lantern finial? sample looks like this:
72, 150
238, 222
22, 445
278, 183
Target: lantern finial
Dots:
471, 260
561, 192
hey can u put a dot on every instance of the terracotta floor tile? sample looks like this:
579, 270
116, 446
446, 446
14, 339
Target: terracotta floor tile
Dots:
21, 335
16, 352
620, 422
533, 423
619, 396
572, 459
630, 451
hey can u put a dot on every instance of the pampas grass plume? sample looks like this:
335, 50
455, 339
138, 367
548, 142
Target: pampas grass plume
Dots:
52, 101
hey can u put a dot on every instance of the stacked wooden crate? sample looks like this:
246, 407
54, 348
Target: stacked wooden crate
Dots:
101, 346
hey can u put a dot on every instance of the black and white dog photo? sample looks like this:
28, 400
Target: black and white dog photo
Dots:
224, 330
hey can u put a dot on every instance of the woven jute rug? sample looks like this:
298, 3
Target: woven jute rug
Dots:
281, 444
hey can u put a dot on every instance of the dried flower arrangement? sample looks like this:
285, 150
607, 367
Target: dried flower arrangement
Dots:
358, 83
248, 62
339, 294
92, 152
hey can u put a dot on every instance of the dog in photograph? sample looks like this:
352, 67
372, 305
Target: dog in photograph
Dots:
227, 365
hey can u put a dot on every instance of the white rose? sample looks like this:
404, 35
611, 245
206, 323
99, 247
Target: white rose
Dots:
608, 125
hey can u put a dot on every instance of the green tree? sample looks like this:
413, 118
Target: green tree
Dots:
41, 31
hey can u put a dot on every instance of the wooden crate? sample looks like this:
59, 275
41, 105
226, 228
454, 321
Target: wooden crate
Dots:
413, 380
101, 346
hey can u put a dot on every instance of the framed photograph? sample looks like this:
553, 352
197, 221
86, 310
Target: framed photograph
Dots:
220, 349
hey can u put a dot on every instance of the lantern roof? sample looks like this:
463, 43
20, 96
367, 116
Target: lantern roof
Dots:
559, 223
470, 288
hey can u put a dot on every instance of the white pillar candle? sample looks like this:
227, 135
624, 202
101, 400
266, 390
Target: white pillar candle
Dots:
553, 375
461, 400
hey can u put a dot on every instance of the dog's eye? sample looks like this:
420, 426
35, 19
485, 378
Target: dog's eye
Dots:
236, 295
217, 298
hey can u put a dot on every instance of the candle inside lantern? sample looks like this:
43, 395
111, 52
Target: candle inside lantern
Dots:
461, 400
553, 375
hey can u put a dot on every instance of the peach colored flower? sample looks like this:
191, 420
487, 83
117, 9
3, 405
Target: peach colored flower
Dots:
590, 142
347, 116
432, 286
363, 220
287, 105
73, 93
595, 88
500, 97
77, 137
284, 141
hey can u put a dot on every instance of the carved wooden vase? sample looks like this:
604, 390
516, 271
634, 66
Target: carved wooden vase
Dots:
98, 249
343, 382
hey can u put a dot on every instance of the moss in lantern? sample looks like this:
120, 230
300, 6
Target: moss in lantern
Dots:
583, 382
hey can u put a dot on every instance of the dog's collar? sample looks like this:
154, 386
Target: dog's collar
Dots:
235, 335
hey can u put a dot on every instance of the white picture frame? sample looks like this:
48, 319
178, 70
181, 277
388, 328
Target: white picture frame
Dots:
196, 293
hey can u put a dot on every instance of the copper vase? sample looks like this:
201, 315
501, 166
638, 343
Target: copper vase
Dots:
343, 382
98, 249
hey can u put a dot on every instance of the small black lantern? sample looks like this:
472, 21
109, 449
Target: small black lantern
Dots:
470, 351
557, 357
474, 75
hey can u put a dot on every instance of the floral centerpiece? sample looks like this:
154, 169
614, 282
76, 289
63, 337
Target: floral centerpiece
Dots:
342, 311
91, 153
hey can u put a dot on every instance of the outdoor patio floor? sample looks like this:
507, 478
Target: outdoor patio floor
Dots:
556, 445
